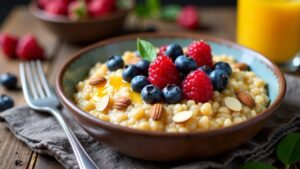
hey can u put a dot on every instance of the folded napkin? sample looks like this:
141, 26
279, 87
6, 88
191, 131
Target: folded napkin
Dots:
42, 134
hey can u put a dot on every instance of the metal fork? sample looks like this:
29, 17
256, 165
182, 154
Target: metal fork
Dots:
40, 96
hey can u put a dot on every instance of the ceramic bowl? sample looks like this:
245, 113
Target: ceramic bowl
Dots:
159, 146
81, 31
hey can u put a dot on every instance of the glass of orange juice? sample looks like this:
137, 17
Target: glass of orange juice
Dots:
272, 27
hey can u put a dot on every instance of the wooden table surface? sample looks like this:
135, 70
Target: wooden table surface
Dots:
218, 22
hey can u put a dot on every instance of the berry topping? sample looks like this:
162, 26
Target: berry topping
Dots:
223, 66
162, 50
100, 7
6, 102
29, 49
115, 62
172, 94
197, 86
138, 83
173, 51
129, 72
8, 44
151, 94
9, 81
143, 65
206, 69
188, 18
185, 64
77, 10
201, 53
56, 8
219, 78
162, 72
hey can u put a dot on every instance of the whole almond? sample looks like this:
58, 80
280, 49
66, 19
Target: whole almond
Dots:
156, 111
97, 80
102, 103
241, 66
246, 98
122, 103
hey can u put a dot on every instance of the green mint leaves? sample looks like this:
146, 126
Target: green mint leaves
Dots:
146, 50
288, 152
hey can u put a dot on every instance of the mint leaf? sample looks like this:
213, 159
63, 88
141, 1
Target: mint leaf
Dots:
257, 165
154, 7
170, 12
288, 150
146, 50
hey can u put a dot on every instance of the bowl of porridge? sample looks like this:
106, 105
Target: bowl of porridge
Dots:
170, 96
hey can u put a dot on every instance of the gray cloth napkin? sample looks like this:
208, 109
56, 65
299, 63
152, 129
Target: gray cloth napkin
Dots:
42, 134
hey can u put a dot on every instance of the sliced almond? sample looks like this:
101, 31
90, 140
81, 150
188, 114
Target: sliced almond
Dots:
241, 66
156, 111
233, 103
246, 98
103, 103
122, 103
182, 116
97, 80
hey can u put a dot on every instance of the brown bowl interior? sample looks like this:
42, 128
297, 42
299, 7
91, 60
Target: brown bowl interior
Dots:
84, 30
159, 146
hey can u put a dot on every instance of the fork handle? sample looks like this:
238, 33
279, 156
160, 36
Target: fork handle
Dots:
83, 159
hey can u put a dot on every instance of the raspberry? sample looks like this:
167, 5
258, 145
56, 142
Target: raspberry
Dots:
101, 7
201, 53
188, 17
56, 8
8, 44
197, 86
162, 72
162, 50
28, 48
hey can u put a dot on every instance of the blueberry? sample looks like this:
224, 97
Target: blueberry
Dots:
115, 62
172, 94
151, 94
9, 81
206, 69
143, 65
223, 66
219, 79
6, 102
185, 64
138, 82
173, 51
129, 72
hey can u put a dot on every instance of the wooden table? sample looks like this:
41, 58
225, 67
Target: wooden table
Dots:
218, 22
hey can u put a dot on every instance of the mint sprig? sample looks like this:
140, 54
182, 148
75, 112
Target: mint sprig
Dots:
146, 50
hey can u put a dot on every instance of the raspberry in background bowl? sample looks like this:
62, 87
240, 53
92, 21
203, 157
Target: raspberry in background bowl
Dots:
79, 28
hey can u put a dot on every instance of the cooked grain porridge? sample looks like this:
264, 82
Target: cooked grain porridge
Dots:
220, 111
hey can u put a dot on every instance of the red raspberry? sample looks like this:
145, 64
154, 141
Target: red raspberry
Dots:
8, 44
201, 53
162, 50
28, 48
162, 72
56, 8
188, 17
197, 86
100, 7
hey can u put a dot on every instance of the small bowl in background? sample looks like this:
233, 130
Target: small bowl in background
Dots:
81, 31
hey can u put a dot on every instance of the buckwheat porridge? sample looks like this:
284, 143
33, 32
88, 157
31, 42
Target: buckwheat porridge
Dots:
181, 90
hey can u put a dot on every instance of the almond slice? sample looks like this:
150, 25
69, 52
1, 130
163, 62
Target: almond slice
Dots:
97, 80
122, 103
246, 98
182, 116
233, 103
241, 66
103, 103
156, 111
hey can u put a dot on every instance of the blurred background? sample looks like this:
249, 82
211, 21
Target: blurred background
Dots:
7, 5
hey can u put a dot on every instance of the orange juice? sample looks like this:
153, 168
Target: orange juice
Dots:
271, 27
